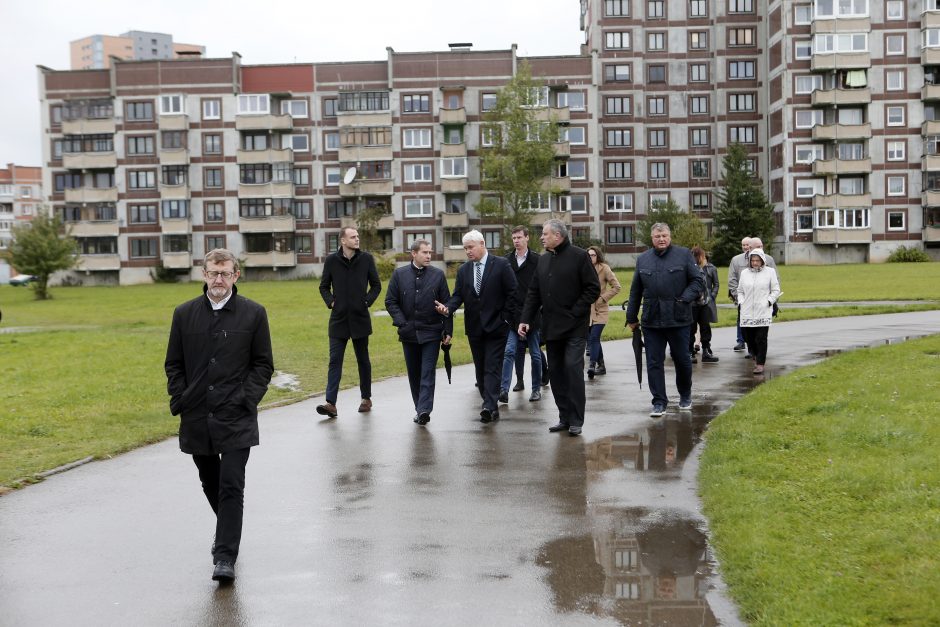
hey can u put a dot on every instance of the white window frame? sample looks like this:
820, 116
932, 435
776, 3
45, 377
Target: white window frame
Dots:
894, 80
254, 104
891, 12
488, 135
567, 203
804, 45
809, 187
288, 141
807, 83
419, 173
288, 106
612, 38
900, 184
855, 218
830, 9
813, 152
930, 38
332, 175
454, 168
577, 176
579, 135
896, 150
826, 218
416, 137
331, 140
835, 43
563, 99
891, 52
895, 115
807, 229
802, 14
807, 118
172, 104
419, 207
212, 109
888, 226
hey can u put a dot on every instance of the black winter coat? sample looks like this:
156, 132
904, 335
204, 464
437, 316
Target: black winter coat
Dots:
564, 287
343, 288
409, 300
667, 284
523, 279
218, 366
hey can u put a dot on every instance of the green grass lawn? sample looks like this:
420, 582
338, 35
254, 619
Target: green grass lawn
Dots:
822, 492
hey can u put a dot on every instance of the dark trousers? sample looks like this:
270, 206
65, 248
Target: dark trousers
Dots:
756, 338
740, 333
700, 317
678, 340
514, 354
594, 342
567, 378
421, 362
487, 351
223, 482
335, 373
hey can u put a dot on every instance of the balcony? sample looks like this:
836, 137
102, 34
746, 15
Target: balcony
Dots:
562, 149
270, 155
175, 122
932, 234
835, 201
351, 154
842, 25
92, 263
453, 116
454, 150
930, 198
931, 163
178, 261
557, 184
364, 118
266, 224
176, 226
94, 228
266, 190
368, 187
271, 260
454, 253
930, 92
455, 185
930, 19
558, 114
841, 236
174, 192
89, 126
267, 122
930, 127
841, 61
454, 220
86, 195
841, 166
841, 97
174, 156
89, 160
930, 56
834, 132
564, 216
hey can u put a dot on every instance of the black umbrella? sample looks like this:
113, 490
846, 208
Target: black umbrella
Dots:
638, 354
447, 364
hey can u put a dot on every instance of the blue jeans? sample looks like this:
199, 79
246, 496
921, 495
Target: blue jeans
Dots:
335, 371
594, 342
678, 340
509, 358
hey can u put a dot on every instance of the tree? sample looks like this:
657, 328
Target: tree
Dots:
687, 230
521, 157
41, 247
367, 224
742, 209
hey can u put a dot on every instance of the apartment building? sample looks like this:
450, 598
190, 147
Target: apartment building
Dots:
95, 51
155, 162
20, 200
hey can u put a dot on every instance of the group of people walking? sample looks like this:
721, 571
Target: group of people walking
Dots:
219, 360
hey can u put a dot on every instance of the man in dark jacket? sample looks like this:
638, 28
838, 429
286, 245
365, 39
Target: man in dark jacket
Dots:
409, 300
667, 281
218, 365
487, 289
347, 274
564, 287
523, 261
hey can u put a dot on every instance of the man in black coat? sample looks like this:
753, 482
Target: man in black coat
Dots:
564, 287
524, 262
349, 286
409, 300
218, 365
487, 288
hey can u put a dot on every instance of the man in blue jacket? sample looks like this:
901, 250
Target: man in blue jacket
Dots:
409, 300
667, 281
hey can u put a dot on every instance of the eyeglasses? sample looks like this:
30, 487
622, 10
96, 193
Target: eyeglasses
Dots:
214, 274
592, 254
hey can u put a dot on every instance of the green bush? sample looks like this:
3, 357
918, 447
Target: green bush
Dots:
385, 266
903, 254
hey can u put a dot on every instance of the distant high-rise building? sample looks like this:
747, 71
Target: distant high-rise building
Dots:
94, 52
20, 200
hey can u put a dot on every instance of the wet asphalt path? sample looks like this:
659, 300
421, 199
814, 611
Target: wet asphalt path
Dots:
370, 520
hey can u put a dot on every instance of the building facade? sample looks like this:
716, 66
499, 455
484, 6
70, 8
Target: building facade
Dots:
95, 51
154, 162
20, 200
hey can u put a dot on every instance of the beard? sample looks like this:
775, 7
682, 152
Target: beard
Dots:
218, 293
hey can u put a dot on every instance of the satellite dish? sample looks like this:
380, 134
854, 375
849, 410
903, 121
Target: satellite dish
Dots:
350, 175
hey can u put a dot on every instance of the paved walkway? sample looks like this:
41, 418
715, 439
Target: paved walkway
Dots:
370, 520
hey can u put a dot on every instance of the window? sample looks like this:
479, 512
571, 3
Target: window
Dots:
618, 105
415, 103
808, 118
698, 137
577, 169
142, 214
294, 108
411, 238
254, 104
211, 109
298, 143
618, 137
488, 102
698, 72
215, 212
698, 40
740, 6
172, 140
851, 151
742, 134
741, 70
140, 145
619, 40
741, 37
896, 220
701, 201
171, 104
895, 116
574, 100
655, 42
894, 80
698, 8
930, 37
213, 177
657, 138
807, 153
331, 141
655, 9
176, 243
453, 100
851, 185
211, 144
619, 203
489, 135
617, 170
741, 102
301, 209
855, 218
698, 104
252, 173
807, 188
841, 8
656, 73
842, 42
659, 170
850, 115
418, 173
174, 209
896, 185
656, 105
174, 175
619, 72
492, 239
700, 168
826, 218
366, 136
65, 180
143, 247
375, 170
894, 9
803, 49
331, 175
802, 14
254, 141
453, 168
894, 44
804, 222
572, 134
138, 111
282, 172
617, 8
336, 209
141, 179
573, 204
416, 138
300, 176
419, 208
330, 106
619, 234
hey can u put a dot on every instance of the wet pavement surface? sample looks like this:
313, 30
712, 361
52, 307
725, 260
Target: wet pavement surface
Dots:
369, 519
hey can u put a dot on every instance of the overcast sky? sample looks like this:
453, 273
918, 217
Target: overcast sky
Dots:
38, 32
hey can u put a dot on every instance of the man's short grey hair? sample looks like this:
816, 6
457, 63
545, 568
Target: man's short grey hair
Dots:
220, 256
418, 243
557, 226
756, 242
660, 226
473, 236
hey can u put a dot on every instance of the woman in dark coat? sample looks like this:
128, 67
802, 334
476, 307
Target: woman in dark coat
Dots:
704, 311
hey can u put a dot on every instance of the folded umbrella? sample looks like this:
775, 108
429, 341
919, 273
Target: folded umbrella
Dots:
448, 366
638, 354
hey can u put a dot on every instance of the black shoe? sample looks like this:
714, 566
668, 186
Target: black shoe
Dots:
561, 426
519, 386
591, 368
503, 396
574, 431
694, 360
739, 347
486, 416
536, 395
224, 572
495, 415
749, 356
600, 370
545, 378
708, 358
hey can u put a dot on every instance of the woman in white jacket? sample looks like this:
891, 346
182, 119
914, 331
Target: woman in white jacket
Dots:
758, 290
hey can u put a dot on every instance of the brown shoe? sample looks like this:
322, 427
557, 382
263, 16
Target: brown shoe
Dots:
365, 405
327, 409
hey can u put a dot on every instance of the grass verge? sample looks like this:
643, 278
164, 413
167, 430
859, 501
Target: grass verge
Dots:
822, 492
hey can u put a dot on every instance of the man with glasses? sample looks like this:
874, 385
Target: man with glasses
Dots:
218, 366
